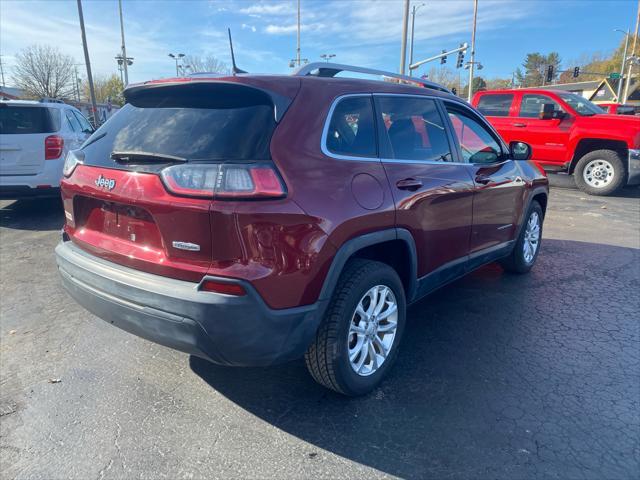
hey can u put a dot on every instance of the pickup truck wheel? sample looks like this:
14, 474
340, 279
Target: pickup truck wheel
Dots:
600, 172
527, 247
357, 342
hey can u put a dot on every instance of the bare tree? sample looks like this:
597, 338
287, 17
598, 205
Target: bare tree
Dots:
43, 71
208, 63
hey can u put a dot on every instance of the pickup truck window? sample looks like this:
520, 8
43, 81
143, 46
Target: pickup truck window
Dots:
531, 104
497, 105
580, 104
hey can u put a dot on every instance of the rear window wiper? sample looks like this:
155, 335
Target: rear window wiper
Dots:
146, 157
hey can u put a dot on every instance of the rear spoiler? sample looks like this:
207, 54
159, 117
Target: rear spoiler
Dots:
203, 93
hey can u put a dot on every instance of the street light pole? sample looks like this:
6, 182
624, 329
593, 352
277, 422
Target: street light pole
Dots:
124, 49
403, 49
177, 58
472, 58
414, 9
92, 92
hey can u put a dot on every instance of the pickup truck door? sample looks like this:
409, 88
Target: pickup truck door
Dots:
548, 138
499, 189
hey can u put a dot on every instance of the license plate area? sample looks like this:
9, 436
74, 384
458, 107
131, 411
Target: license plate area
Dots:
119, 221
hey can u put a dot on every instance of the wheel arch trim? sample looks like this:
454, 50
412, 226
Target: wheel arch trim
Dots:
352, 246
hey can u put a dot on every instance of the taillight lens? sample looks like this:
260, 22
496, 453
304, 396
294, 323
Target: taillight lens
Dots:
53, 146
72, 160
233, 181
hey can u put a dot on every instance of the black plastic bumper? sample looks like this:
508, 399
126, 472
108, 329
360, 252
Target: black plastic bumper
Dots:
225, 329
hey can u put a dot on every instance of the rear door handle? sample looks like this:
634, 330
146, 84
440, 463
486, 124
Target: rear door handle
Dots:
520, 125
482, 179
409, 184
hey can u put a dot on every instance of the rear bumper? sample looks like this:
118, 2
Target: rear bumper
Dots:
633, 177
43, 184
224, 329
9, 192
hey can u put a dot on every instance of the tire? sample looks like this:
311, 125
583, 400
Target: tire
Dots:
601, 172
328, 359
518, 261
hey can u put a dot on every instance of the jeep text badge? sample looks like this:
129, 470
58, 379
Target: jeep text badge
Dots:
108, 183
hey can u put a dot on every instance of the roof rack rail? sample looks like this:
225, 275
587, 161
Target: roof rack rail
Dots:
325, 69
50, 100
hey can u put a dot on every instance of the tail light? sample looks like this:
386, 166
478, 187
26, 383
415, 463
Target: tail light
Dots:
53, 146
227, 180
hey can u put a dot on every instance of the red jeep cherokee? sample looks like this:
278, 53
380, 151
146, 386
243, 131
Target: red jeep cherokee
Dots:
254, 219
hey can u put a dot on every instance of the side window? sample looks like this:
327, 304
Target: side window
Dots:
84, 123
352, 129
477, 144
73, 121
414, 127
531, 105
497, 105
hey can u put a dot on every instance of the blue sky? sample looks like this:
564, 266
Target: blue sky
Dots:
364, 32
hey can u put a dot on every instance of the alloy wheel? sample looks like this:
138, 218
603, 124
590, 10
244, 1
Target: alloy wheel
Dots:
372, 330
531, 237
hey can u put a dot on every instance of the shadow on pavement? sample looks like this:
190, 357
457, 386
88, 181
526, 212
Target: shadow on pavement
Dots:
42, 214
499, 376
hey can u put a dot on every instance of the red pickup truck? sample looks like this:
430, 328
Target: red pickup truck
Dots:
568, 133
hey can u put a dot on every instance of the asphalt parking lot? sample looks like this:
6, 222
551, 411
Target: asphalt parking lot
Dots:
499, 376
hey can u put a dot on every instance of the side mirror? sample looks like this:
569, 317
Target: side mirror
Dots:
547, 111
520, 150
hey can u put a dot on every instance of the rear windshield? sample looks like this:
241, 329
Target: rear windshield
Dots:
16, 119
222, 131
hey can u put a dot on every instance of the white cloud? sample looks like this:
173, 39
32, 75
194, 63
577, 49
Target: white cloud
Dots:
268, 9
248, 27
291, 28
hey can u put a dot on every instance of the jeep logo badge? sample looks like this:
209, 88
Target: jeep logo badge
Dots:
108, 183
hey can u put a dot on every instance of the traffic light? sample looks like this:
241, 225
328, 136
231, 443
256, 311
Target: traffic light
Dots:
576, 72
454, 90
549, 73
443, 60
460, 61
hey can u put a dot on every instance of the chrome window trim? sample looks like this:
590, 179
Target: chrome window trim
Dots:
327, 121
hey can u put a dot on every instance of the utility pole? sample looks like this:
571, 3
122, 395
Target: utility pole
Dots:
403, 49
633, 54
624, 59
472, 58
87, 62
2, 71
124, 49
414, 9
298, 44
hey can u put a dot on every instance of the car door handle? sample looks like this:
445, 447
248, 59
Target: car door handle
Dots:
520, 125
409, 184
482, 179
